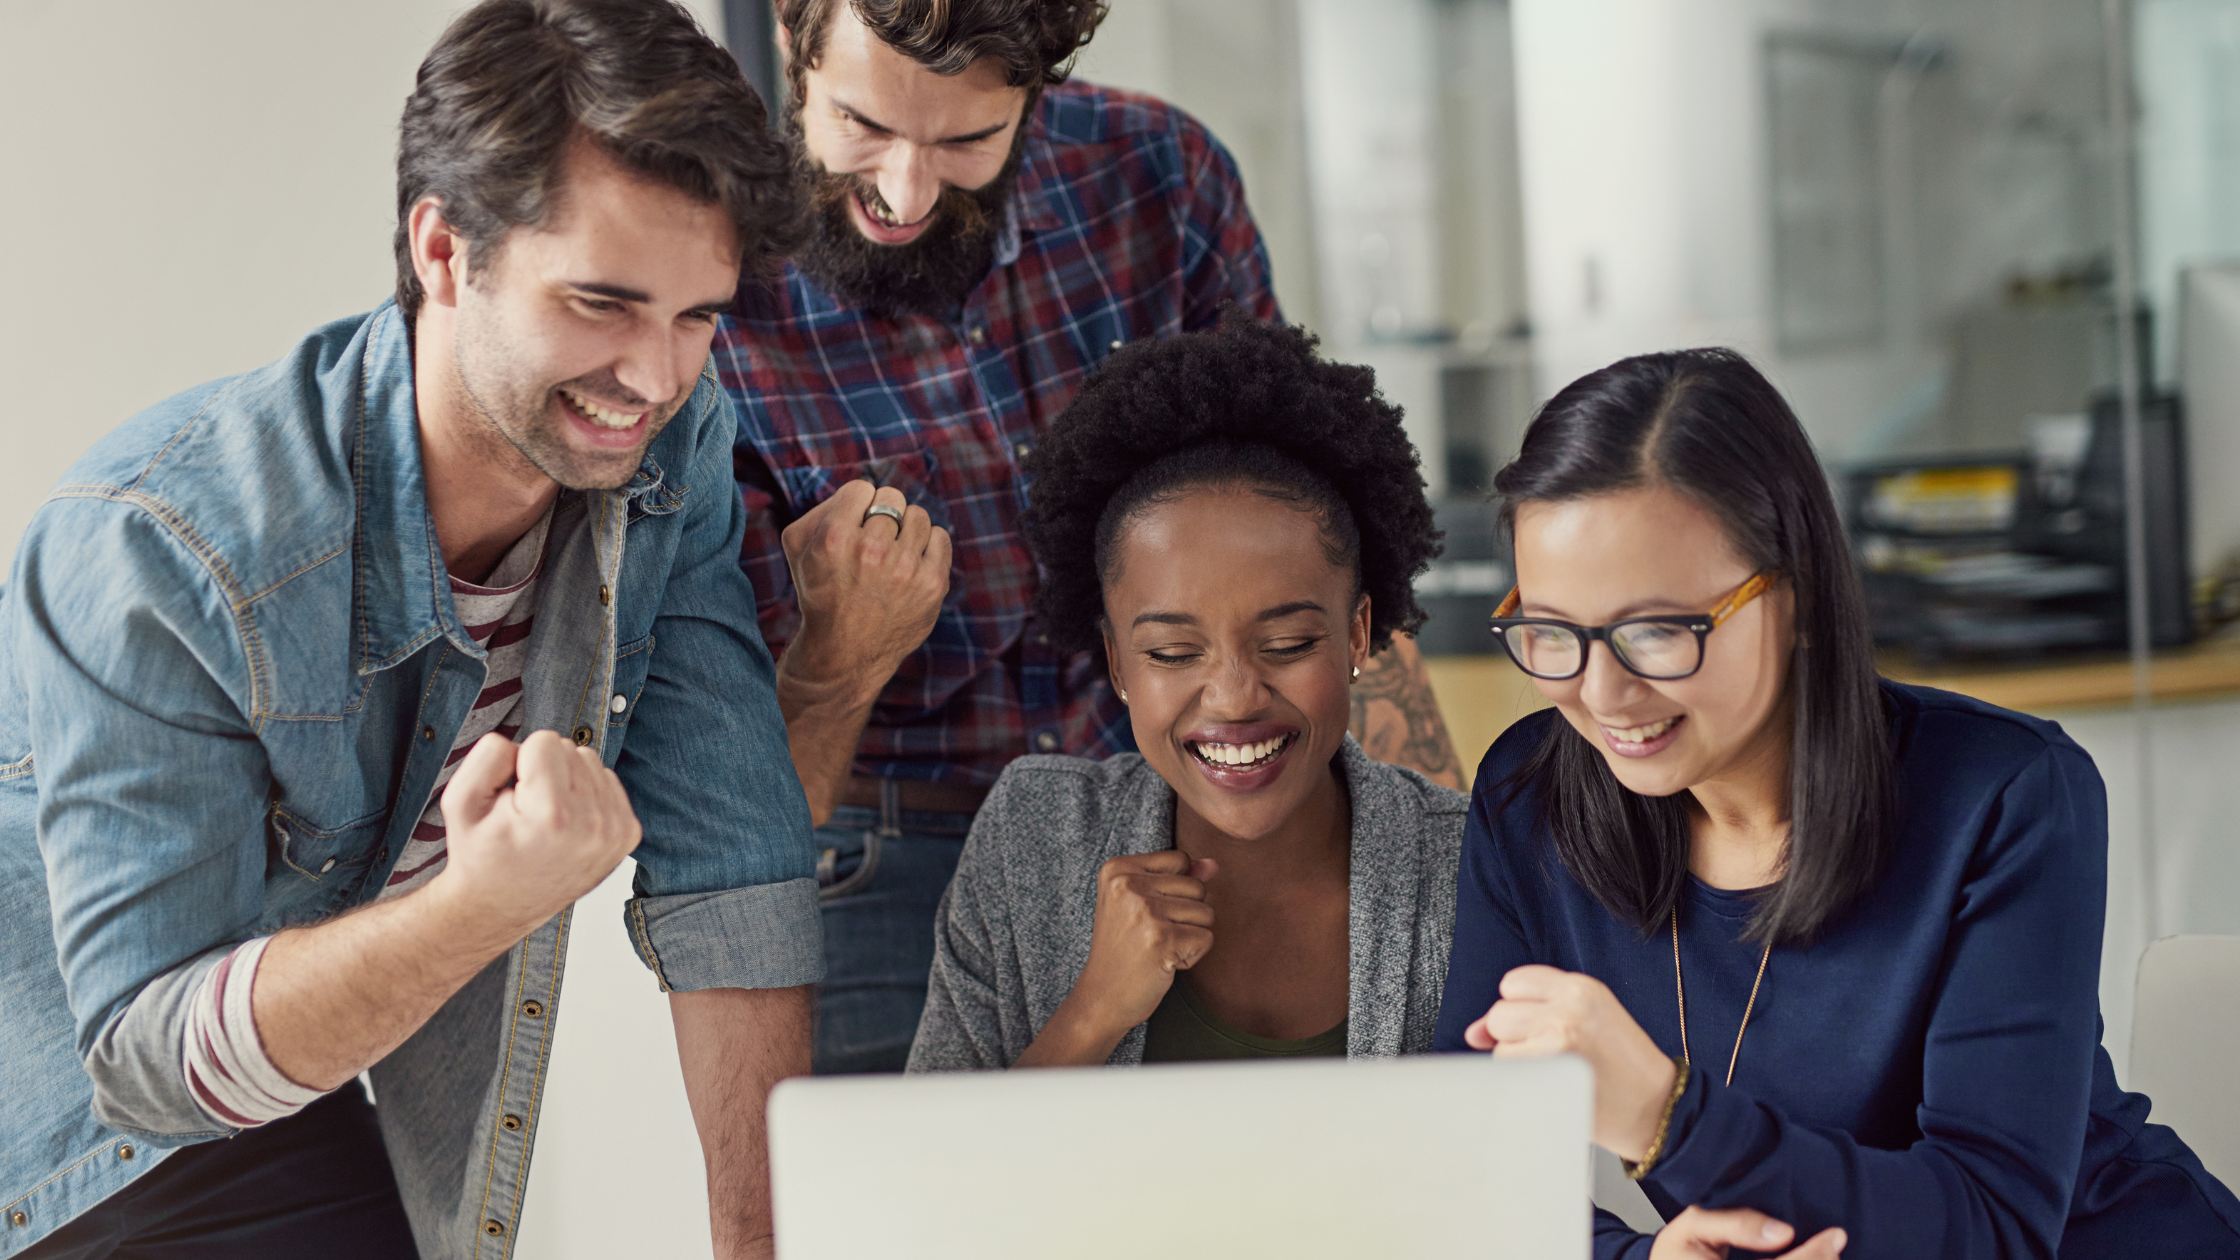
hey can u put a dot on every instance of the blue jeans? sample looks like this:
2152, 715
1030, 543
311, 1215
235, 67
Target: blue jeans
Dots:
883, 873
314, 1184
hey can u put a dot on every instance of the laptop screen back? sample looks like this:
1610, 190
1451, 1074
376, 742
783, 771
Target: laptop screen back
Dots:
1434, 1156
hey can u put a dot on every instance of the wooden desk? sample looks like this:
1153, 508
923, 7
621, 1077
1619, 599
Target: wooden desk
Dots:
2206, 669
1482, 695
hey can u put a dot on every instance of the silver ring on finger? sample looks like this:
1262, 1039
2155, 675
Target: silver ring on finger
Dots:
888, 510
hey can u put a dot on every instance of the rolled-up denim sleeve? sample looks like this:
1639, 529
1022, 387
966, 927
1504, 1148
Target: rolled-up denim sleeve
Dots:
152, 787
726, 892
769, 937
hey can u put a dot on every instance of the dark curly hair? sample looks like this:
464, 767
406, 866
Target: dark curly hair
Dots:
1034, 40
1246, 404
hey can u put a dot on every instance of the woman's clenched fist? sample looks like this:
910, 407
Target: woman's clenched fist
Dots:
1152, 921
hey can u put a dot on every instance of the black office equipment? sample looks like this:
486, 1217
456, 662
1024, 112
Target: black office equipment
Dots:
1466, 584
2023, 554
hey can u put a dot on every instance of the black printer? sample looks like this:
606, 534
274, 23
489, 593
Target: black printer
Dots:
2022, 554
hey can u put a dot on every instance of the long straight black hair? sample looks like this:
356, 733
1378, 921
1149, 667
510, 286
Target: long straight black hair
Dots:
1708, 424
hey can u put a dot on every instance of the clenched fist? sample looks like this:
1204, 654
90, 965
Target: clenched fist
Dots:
1152, 921
532, 827
869, 587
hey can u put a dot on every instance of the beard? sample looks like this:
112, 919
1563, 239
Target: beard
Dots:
927, 276
523, 413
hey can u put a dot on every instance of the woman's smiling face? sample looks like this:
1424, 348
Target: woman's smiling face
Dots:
1235, 639
1640, 552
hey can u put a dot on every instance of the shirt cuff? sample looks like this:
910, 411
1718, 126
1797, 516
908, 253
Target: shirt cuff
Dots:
770, 936
234, 1081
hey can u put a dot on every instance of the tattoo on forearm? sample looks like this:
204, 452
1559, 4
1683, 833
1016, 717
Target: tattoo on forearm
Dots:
1396, 716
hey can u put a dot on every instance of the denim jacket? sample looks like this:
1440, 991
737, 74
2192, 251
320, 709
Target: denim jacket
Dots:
229, 673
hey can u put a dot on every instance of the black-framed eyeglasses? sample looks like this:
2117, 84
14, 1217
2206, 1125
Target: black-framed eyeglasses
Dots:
1662, 648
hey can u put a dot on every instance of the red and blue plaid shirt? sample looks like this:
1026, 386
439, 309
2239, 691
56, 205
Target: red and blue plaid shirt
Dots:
1129, 221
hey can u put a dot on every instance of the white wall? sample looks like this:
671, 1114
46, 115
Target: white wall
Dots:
618, 1171
2188, 70
2196, 860
1643, 129
1639, 128
191, 187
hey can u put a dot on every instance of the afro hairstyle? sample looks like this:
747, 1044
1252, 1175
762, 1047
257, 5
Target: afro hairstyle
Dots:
1247, 403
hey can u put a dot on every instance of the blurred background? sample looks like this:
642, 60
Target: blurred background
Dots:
1945, 229
1909, 214
1940, 227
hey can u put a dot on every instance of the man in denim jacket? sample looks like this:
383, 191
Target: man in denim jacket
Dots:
326, 690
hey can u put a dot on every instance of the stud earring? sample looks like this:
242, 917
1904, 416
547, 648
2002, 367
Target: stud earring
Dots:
1123, 697
1357, 671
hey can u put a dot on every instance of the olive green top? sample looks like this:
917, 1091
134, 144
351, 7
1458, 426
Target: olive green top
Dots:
1183, 1031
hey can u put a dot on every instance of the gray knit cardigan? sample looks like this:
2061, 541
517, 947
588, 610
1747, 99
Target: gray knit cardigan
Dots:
1012, 933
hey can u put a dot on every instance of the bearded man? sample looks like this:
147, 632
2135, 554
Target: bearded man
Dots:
327, 689
983, 234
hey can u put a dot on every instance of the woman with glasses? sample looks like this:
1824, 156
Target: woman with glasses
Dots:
1230, 526
1875, 909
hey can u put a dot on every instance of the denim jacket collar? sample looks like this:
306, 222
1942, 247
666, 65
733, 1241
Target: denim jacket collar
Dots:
403, 596
402, 600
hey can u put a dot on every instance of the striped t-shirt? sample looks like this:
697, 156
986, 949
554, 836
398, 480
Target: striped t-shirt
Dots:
498, 618
232, 1078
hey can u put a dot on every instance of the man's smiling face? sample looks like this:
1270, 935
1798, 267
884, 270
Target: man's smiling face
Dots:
585, 335
908, 169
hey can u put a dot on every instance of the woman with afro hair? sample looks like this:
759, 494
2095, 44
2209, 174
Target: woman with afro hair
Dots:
1237, 524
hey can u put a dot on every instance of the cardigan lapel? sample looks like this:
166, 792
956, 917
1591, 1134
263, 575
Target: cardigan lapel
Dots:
1381, 917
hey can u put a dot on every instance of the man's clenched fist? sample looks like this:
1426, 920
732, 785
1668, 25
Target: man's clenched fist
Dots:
532, 827
869, 587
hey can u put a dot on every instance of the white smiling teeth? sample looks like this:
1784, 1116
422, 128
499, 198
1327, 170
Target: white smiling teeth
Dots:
881, 213
599, 415
1242, 754
1641, 734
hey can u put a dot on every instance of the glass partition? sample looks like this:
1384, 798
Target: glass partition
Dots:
1941, 227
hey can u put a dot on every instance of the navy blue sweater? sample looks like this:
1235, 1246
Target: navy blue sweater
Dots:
1928, 1073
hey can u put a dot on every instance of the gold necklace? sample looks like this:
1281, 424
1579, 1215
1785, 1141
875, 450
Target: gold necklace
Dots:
1682, 990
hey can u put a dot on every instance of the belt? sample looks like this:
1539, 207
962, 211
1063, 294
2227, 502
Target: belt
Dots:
915, 796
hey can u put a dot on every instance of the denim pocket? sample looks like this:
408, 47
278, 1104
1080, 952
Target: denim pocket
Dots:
311, 871
632, 661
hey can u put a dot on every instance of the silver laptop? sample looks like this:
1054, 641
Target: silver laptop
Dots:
1434, 1156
